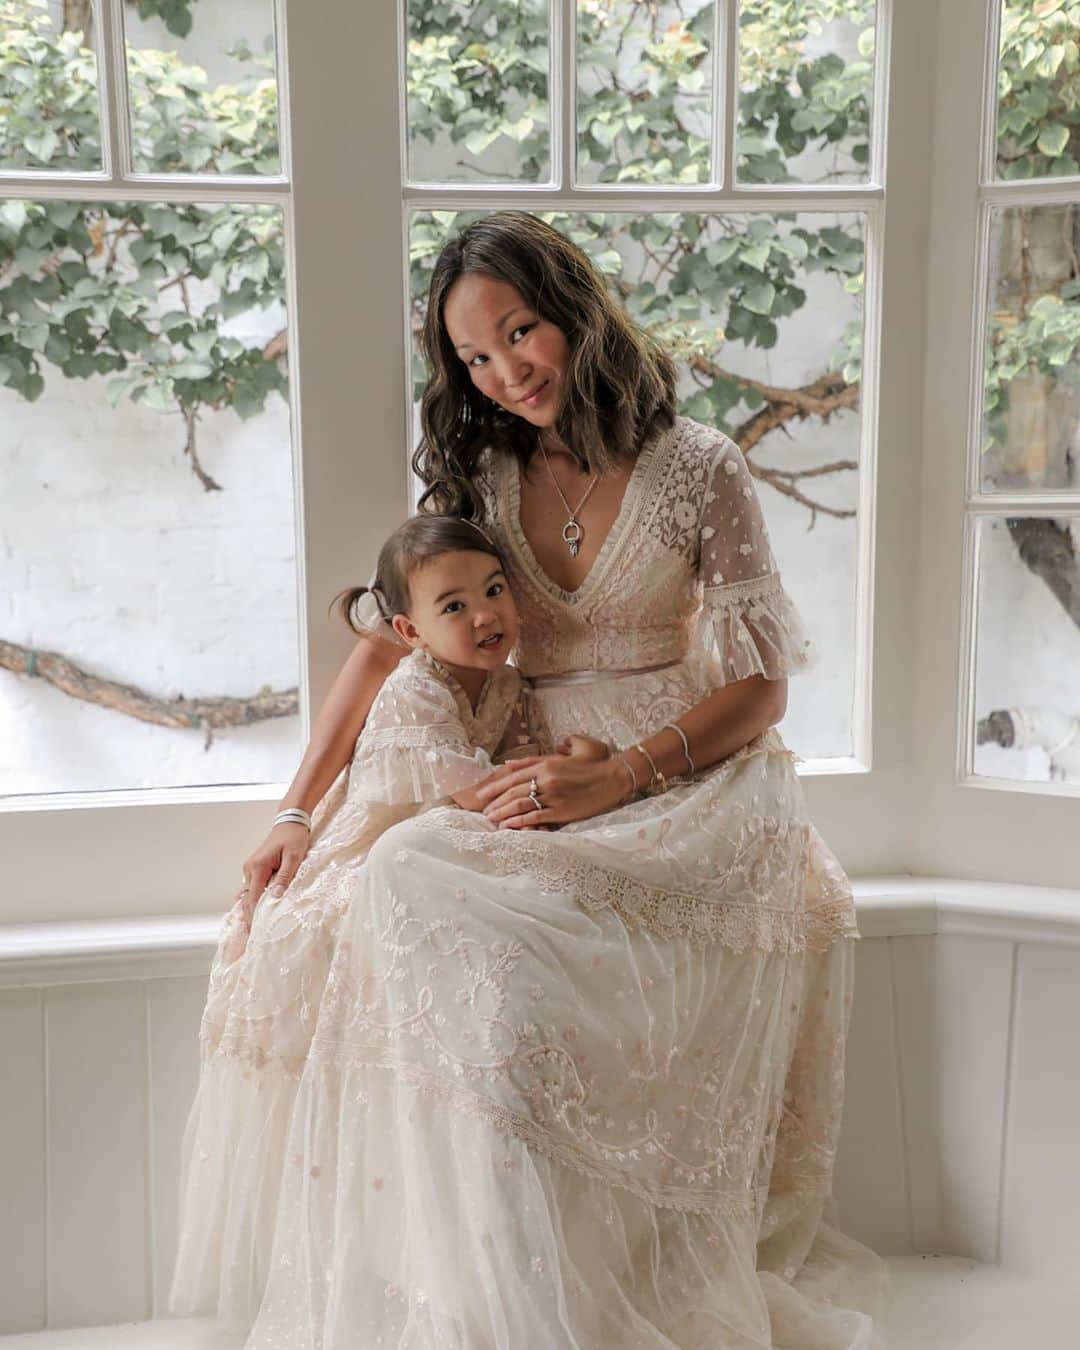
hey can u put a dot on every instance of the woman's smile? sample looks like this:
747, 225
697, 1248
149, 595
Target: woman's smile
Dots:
534, 398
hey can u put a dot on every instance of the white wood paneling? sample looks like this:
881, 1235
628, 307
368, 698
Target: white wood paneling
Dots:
22, 1161
98, 1248
1041, 1201
174, 1009
918, 1016
974, 985
871, 1180
98, 1040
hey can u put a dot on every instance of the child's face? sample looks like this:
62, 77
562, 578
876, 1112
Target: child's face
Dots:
461, 611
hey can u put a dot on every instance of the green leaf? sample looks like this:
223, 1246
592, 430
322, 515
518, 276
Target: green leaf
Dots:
1053, 138
759, 299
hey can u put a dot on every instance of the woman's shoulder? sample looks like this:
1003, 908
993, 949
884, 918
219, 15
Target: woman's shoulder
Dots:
700, 443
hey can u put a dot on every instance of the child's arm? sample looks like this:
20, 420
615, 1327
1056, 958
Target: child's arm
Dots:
583, 747
466, 799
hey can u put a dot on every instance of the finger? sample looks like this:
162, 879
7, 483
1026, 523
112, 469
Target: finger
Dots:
522, 771
284, 875
260, 874
517, 806
528, 820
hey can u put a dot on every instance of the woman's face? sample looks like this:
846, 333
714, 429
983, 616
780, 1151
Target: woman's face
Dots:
513, 355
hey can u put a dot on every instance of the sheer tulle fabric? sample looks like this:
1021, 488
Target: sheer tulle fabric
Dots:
582, 1088
269, 971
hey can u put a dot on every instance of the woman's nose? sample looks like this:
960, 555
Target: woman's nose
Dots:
515, 373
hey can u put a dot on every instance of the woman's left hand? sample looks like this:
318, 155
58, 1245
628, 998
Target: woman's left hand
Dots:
569, 789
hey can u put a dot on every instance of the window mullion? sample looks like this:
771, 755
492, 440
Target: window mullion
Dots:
112, 91
726, 93
562, 94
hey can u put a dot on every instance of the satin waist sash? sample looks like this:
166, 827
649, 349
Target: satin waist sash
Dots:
591, 676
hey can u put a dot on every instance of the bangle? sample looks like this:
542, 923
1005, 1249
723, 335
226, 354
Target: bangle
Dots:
674, 726
634, 790
293, 815
657, 776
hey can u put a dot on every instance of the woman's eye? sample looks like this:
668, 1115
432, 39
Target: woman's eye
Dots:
522, 328
476, 358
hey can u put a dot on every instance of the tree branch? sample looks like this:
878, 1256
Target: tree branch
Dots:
207, 714
191, 451
1046, 549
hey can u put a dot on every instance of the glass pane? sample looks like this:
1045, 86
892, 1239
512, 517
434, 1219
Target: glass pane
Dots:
644, 93
202, 85
763, 314
477, 108
48, 86
1027, 651
1031, 413
1038, 135
147, 574
806, 79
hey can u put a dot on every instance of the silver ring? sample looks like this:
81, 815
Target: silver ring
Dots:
534, 794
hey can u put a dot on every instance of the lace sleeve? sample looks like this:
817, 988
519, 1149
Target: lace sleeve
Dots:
365, 617
747, 617
414, 746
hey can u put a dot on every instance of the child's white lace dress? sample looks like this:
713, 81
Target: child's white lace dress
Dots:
420, 743
583, 1088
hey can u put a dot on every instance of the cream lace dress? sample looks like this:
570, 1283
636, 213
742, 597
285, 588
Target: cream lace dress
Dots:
582, 1088
421, 742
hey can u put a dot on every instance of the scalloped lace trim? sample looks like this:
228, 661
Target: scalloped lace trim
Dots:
722, 917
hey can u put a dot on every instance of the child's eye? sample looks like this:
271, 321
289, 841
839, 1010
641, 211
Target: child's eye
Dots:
496, 588
450, 608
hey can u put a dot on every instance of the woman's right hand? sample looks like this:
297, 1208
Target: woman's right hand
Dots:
275, 861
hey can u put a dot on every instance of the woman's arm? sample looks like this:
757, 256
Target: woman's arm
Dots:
575, 789
333, 739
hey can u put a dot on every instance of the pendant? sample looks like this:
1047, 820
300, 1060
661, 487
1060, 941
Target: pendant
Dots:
572, 534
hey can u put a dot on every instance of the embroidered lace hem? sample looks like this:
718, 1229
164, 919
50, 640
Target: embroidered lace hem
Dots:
730, 1203
827, 916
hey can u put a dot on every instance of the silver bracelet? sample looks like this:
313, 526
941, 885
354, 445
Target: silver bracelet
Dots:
674, 726
293, 815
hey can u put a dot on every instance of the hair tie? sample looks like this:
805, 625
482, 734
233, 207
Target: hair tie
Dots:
380, 600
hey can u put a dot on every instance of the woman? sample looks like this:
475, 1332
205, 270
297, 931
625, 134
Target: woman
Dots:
581, 1086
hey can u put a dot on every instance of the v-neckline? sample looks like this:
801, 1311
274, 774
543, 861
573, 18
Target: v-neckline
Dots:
511, 513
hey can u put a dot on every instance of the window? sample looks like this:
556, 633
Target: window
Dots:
723, 166
905, 278
149, 565
1023, 511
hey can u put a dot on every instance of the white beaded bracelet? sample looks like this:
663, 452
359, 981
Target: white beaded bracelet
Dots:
293, 815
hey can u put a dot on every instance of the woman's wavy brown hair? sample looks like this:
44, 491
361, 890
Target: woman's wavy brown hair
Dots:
619, 388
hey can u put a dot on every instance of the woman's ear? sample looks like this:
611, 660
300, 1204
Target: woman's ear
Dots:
404, 627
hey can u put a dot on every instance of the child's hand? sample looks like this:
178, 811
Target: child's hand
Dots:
583, 747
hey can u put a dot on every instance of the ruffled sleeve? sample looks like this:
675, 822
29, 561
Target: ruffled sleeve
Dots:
365, 617
748, 620
414, 747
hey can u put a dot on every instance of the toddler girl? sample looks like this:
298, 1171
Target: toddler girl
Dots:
449, 711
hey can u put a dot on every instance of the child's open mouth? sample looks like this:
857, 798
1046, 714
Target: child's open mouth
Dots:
492, 640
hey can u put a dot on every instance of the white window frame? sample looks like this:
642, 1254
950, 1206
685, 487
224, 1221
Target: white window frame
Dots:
897, 807
81, 855
965, 825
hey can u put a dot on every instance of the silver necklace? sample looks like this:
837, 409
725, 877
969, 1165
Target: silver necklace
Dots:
572, 532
